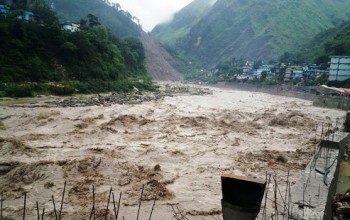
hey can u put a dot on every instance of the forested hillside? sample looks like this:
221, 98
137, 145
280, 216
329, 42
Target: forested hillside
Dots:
89, 60
110, 14
253, 29
335, 41
183, 21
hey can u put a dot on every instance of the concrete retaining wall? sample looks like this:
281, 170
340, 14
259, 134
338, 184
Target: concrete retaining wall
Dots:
342, 103
283, 90
337, 102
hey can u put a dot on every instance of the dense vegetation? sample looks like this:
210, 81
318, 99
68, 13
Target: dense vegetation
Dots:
38, 57
251, 29
335, 41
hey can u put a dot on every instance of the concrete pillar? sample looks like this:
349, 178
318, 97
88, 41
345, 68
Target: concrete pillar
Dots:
241, 197
347, 122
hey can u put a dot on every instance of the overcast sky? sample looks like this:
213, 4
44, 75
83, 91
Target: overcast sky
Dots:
152, 12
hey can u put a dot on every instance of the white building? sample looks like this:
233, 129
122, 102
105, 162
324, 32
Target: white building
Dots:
339, 68
70, 27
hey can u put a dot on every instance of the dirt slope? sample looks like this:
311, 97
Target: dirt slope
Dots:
159, 63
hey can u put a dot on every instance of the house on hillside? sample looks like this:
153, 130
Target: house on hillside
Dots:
339, 68
70, 27
247, 68
28, 16
4, 10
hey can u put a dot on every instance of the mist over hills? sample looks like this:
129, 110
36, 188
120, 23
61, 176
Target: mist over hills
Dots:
249, 29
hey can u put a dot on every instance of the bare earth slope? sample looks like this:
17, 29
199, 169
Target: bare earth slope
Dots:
160, 64
176, 147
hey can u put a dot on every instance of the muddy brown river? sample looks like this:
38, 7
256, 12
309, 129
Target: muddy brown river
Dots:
176, 147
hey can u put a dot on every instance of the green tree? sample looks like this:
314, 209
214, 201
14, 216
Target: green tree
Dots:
83, 23
133, 52
19, 4
93, 20
263, 75
46, 15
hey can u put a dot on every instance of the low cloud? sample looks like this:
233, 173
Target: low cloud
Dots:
152, 12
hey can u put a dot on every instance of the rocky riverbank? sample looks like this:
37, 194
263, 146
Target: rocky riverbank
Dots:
165, 90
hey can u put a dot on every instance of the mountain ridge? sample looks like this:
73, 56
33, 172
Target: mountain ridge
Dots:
190, 14
251, 29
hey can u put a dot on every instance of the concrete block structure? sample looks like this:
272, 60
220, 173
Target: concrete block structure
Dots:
311, 197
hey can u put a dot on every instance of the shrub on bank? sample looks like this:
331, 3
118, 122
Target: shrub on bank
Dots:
18, 90
271, 82
60, 89
66, 88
